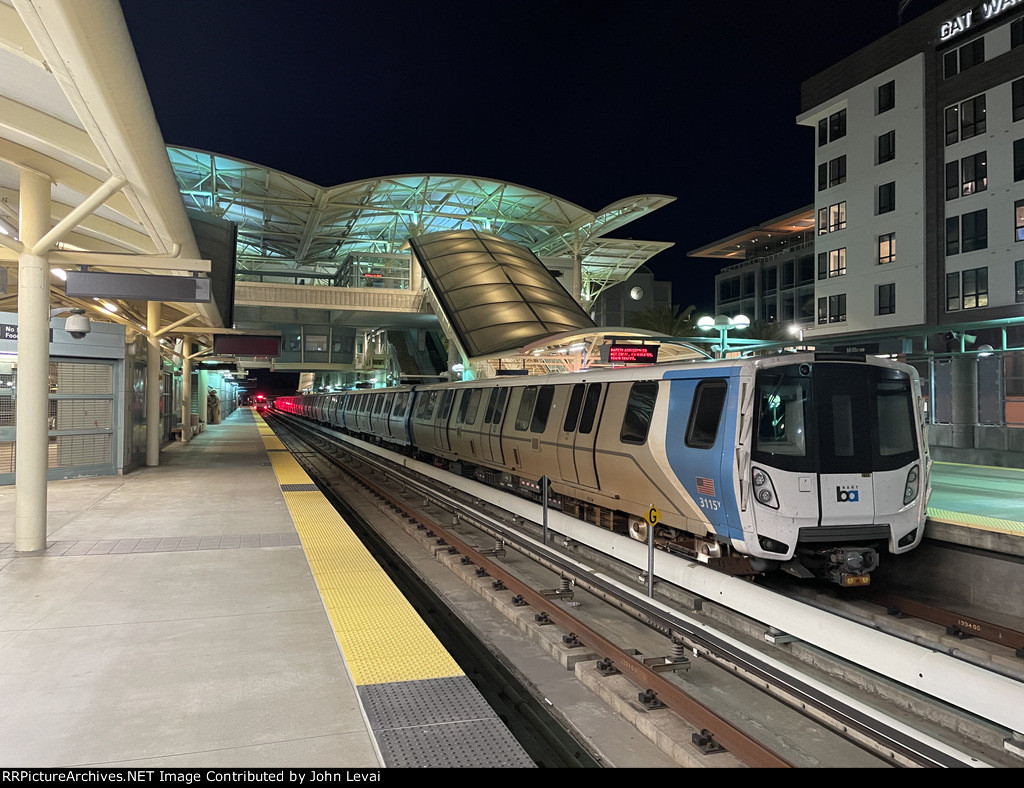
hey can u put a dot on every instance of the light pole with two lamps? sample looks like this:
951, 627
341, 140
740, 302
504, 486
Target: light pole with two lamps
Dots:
722, 324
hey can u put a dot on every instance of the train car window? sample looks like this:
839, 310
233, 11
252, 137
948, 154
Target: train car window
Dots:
503, 395
525, 413
542, 409
474, 405
463, 407
896, 417
705, 414
782, 402
446, 404
378, 400
492, 402
842, 425
572, 412
426, 409
590, 408
401, 403
636, 422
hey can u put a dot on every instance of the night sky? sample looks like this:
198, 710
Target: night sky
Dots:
589, 101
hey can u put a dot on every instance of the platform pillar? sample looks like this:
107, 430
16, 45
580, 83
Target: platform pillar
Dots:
186, 388
964, 400
153, 384
32, 425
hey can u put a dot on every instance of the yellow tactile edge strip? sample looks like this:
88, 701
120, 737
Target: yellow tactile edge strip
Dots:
381, 636
975, 521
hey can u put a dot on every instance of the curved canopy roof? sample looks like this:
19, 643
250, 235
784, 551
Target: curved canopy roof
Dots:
497, 295
288, 225
74, 107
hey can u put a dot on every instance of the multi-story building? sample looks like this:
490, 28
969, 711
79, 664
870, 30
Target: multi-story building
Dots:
919, 173
918, 213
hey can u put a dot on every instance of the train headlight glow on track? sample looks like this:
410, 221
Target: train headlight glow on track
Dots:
910, 490
764, 490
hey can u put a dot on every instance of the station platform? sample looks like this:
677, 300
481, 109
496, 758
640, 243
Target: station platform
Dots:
980, 498
215, 611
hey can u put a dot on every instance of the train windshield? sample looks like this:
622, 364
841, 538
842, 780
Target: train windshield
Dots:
834, 418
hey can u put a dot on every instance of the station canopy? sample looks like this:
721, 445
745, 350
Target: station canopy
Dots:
292, 230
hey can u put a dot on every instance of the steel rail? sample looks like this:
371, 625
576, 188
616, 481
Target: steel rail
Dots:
898, 747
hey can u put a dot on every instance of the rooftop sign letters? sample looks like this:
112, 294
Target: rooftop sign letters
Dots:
980, 13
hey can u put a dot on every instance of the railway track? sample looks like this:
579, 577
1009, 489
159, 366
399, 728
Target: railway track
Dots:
656, 681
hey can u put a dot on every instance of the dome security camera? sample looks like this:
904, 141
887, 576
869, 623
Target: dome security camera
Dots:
77, 324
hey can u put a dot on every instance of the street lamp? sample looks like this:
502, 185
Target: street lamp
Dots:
722, 324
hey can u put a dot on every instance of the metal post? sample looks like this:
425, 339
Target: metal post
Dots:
544, 503
153, 384
186, 388
32, 431
650, 560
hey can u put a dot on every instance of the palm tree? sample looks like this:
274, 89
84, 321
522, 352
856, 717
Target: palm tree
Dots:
666, 320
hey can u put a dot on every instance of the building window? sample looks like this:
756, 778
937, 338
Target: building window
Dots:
832, 174
974, 285
1018, 98
965, 120
1018, 277
837, 308
832, 218
952, 236
887, 197
952, 292
972, 117
832, 128
960, 60
771, 280
887, 147
974, 231
887, 248
837, 217
886, 300
886, 97
1018, 159
1017, 32
952, 180
837, 262
1018, 220
974, 171
832, 309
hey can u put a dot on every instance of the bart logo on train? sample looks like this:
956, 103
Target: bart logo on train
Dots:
847, 496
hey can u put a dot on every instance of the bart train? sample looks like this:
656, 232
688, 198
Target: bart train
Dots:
808, 462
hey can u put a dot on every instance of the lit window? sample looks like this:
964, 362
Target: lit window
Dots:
887, 248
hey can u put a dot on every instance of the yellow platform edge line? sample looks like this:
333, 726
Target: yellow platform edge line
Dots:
381, 636
976, 521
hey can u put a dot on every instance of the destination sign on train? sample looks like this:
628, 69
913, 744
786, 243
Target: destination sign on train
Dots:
632, 354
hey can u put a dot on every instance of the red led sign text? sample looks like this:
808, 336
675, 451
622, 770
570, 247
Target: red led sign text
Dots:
633, 354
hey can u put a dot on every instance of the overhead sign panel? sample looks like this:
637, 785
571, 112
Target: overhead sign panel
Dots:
632, 354
246, 345
138, 287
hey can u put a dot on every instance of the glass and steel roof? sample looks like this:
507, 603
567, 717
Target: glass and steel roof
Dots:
497, 295
332, 235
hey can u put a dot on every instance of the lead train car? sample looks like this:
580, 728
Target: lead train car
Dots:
810, 462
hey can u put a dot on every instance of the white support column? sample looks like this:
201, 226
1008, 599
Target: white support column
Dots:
186, 388
153, 365
32, 432
204, 386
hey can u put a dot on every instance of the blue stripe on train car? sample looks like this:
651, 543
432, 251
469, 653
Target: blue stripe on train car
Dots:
706, 473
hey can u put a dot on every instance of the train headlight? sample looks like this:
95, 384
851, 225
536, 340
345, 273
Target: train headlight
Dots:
764, 490
911, 487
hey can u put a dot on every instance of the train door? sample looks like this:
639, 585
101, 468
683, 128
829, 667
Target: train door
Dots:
441, 439
490, 437
586, 437
564, 447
